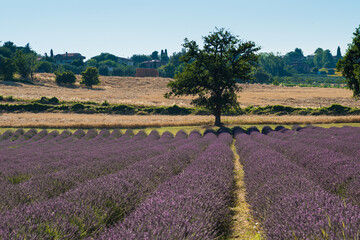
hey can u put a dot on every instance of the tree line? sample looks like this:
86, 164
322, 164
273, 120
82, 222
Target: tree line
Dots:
272, 66
25, 61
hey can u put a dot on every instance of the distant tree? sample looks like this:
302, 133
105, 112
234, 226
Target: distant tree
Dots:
118, 71
11, 46
27, 48
155, 55
138, 59
78, 62
294, 56
109, 63
318, 58
338, 54
262, 76
164, 56
129, 71
327, 59
8, 69
91, 63
32, 63
90, 77
66, 78
273, 64
103, 70
5, 52
212, 73
22, 65
45, 66
350, 64
51, 53
105, 56
167, 70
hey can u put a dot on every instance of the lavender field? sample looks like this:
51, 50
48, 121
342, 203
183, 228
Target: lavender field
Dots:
301, 184
110, 185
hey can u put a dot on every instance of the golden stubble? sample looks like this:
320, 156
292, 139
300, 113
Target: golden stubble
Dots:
70, 120
150, 91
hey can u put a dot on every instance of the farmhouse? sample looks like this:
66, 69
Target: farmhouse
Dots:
152, 64
67, 57
125, 61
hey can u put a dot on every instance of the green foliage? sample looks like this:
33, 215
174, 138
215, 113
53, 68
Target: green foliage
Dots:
78, 62
211, 73
67, 77
350, 64
77, 106
294, 56
139, 58
53, 100
164, 56
7, 69
273, 64
155, 55
261, 76
45, 66
21, 64
167, 70
91, 63
105, 56
90, 77
103, 71
318, 58
9, 99
275, 82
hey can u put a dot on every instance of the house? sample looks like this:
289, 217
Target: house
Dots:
152, 64
125, 61
67, 57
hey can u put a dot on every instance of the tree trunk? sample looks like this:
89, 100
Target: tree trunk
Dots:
218, 116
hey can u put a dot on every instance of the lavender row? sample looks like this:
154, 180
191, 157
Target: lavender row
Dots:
192, 205
96, 204
332, 139
286, 200
42, 187
26, 161
334, 171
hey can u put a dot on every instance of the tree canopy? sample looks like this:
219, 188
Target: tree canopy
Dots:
211, 74
350, 64
90, 77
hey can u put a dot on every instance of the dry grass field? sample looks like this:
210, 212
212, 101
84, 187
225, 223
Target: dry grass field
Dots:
65, 120
150, 91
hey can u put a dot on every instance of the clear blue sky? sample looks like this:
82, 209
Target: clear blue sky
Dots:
132, 27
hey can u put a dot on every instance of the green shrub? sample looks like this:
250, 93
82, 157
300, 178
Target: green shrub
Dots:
77, 106
1, 98
105, 103
67, 77
10, 99
90, 77
53, 100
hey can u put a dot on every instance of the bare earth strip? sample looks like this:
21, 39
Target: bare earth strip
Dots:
243, 225
150, 91
66, 120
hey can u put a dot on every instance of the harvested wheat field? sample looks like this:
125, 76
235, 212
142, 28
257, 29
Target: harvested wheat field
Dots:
150, 91
66, 120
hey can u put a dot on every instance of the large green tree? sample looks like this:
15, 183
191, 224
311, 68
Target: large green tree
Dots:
350, 64
211, 74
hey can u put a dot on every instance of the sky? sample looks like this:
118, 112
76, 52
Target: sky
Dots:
124, 28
